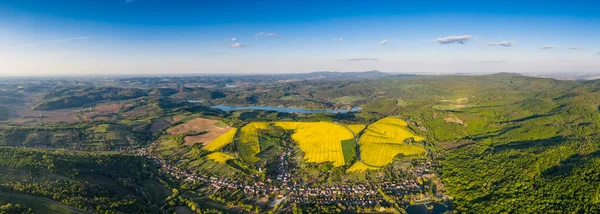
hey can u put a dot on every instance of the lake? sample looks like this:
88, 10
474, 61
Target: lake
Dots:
422, 209
281, 109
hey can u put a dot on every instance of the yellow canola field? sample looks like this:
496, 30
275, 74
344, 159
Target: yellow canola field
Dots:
320, 141
221, 141
356, 128
360, 167
381, 154
290, 125
383, 140
219, 157
247, 143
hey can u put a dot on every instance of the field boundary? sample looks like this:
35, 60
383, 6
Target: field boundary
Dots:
358, 147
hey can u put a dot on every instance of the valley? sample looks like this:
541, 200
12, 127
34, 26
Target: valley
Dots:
386, 143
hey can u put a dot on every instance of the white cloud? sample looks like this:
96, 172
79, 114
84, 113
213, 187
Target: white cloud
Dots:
237, 45
54, 41
217, 53
502, 43
265, 34
339, 39
383, 42
574, 48
453, 39
359, 59
233, 39
547, 47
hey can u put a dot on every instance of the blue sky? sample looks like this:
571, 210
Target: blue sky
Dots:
91, 37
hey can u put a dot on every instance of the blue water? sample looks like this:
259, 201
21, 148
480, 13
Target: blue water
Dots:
285, 110
422, 209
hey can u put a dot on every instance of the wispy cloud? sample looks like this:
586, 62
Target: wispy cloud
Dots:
502, 43
574, 48
129, 1
265, 34
358, 59
233, 39
237, 45
339, 39
217, 53
598, 53
547, 47
383, 42
453, 39
29, 45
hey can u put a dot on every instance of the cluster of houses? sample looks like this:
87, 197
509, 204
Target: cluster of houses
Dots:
283, 173
367, 201
364, 194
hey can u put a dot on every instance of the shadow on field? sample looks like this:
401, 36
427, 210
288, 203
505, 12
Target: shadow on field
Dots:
537, 145
566, 167
495, 134
535, 116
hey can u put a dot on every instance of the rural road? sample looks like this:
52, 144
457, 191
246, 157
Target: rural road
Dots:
358, 147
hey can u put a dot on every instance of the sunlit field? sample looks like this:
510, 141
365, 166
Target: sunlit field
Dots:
221, 141
247, 142
356, 128
320, 141
383, 140
219, 157
360, 167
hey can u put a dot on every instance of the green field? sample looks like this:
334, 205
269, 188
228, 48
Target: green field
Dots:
156, 191
188, 157
105, 181
38, 204
349, 150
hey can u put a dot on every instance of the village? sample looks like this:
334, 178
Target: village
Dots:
362, 194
